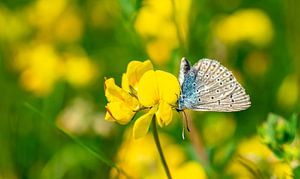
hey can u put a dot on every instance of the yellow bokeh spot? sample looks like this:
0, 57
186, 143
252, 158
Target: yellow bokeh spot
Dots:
191, 170
215, 125
139, 159
159, 51
41, 67
69, 27
251, 25
155, 23
252, 157
13, 25
282, 170
288, 92
256, 63
47, 12
78, 70
102, 12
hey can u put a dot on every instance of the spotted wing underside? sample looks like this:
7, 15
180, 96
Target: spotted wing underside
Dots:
217, 89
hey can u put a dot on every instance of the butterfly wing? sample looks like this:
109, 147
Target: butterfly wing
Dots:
216, 89
184, 69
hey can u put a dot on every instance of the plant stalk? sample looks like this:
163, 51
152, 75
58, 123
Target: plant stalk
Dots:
158, 146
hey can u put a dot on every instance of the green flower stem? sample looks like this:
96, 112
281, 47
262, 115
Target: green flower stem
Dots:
158, 146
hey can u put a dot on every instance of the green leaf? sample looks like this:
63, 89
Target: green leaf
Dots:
296, 172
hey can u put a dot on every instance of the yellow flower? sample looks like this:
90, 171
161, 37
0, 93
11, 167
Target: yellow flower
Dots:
159, 91
122, 102
142, 88
135, 70
121, 105
251, 25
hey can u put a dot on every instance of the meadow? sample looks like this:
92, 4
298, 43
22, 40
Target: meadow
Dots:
89, 89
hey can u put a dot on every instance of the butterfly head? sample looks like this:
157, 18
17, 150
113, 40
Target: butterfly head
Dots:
180, 103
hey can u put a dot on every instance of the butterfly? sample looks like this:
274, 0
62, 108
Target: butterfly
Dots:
209, 86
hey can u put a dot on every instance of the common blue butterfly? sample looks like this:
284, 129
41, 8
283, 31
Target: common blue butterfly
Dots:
209, 86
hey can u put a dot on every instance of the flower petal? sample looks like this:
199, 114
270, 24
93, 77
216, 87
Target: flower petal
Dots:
169, 88
158, 85
114, 93
135, 70
125, 83
109, 117
164, 114
148, 93
119, 112
142, 124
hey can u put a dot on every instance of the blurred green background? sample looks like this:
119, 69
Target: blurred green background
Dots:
55, 54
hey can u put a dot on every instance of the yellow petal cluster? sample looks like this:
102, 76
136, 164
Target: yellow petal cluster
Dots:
142, 88
251, 25
121, 105
159, 91
135, 71
122, 102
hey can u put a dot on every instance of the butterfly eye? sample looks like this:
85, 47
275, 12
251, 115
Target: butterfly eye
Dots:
221, 83
194, 84
199, 99
217, 91
212, 97
192, 74
232, 100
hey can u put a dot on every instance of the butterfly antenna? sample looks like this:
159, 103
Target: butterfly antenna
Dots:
182, 133
186, 121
